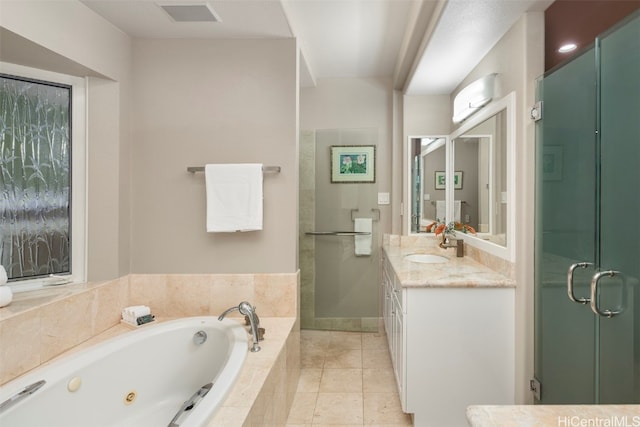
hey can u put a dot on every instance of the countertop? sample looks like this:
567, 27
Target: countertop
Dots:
457, 272
553, 415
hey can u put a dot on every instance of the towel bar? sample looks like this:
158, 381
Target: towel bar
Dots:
337, 233
374, 210
265, 169
433, 202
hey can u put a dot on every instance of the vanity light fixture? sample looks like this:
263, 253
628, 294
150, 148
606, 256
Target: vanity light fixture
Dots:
568, 47
473, 97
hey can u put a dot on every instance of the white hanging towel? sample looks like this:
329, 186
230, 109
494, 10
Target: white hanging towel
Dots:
234, 197
456, 210
363, 242
3, 276
440, 210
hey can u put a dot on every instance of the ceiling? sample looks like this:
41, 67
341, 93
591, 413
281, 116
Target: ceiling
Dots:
347, 38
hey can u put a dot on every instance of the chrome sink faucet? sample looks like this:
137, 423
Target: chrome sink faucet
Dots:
249, 311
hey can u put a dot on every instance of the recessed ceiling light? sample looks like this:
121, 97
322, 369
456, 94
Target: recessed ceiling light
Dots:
190, 12
567, 47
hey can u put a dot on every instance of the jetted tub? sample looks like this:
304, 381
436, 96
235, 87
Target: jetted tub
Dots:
175, 373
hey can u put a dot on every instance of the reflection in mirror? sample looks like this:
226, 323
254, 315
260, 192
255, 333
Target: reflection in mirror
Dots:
427, 195
480, 200
480, 162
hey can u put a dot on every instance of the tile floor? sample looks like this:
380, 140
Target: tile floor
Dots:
346, 380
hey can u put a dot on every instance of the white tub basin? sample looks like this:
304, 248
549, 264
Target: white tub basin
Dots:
426, 258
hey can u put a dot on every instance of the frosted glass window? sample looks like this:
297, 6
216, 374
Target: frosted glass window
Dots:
35, 165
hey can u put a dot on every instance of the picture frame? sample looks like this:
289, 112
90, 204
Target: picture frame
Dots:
440, 180
353, 164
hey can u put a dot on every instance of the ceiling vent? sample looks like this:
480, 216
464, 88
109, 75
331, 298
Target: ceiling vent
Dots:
191, 12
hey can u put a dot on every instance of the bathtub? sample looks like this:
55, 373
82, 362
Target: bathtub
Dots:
141, 378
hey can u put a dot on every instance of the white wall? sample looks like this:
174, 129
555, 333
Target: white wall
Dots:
355, 103
233, 101
68, 37
424, 115
519, 59
199, 102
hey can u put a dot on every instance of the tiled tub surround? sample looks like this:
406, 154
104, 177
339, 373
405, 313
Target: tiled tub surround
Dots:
41, 325
450, 330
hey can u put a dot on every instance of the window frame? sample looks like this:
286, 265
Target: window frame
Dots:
79, 114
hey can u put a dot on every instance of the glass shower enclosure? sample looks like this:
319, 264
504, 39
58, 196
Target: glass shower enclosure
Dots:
587, 275
339, 283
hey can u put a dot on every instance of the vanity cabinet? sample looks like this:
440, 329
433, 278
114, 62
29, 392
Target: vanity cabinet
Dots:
451, 347
394, 321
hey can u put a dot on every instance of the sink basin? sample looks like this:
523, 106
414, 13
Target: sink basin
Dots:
426, 258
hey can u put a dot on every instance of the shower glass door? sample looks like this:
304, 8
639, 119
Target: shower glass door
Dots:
339, 289
565, 230
619, 237
587, 340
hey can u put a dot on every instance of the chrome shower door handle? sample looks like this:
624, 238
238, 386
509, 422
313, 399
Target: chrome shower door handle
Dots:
594, 294
570, 293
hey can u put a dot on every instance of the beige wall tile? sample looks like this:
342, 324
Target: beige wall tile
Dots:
230, 290
276, 294
230, 416
150, 290
293, 363
21, 347
247, 386
189, 295
302, 408
111, 298
66, 323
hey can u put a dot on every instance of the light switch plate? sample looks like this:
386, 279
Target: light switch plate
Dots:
384, 198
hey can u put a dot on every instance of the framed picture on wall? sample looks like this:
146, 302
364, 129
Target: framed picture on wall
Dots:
353, 164
440, 180
457, 180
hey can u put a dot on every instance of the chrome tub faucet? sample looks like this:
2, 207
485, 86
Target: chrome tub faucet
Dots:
249, 312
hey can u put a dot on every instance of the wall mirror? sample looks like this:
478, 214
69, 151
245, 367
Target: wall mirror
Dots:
428, 162
475, 186
480, 155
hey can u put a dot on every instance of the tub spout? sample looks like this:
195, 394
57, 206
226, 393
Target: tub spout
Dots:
249, 311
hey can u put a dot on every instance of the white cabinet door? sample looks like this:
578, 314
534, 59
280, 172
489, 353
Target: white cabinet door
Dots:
398, 350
